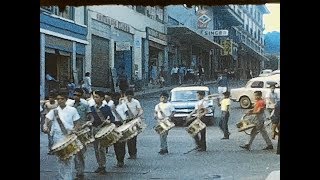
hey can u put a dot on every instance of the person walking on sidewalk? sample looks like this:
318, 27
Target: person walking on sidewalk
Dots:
162, 111
135, 110
258, 111
225, 114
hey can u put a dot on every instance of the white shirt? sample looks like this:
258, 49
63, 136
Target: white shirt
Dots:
87, 83
67, 116
203, 103
121, 109
167, 108
70, 102
110, 103
91, 102
271, 99
134, 105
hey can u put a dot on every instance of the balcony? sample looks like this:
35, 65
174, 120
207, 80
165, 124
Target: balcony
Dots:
230, 16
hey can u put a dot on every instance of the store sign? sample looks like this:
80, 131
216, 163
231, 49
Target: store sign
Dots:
227, 47
203, 19
156, 36
122, 46
215, 32
113, 22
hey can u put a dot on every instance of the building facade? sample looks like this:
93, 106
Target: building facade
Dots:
62, 47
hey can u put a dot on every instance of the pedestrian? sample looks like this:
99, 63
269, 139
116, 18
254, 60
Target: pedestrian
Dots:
275, 119
84, 112
271, 100
71, 86
201, 108
174, 74
161, 77
225, 114
67, 117
134, 110
49, 104
120, 113
123, 80
162, 111
101, 114
181, 73
223, 83
258, 112
87, 82
200, 73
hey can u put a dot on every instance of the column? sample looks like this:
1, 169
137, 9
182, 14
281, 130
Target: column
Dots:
146, 57
42, 65
138, 54
88, 57
74, 63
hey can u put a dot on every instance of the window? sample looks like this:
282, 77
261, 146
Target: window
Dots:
257, 84
67, 13
141, 9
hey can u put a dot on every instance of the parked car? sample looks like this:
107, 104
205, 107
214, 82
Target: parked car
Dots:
265, 72
245, 95
275, 72
184, 100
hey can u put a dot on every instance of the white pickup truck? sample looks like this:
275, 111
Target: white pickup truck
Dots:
245, 95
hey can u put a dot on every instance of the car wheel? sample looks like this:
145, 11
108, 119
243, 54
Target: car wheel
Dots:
245, 102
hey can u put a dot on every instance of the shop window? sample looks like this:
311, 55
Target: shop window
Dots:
67, 13
141, 9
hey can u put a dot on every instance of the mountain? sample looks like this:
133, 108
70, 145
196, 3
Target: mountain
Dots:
272, 42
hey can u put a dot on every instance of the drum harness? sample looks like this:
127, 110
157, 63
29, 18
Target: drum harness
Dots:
63, 129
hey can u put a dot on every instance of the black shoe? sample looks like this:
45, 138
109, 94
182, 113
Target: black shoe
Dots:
202, 149
79, 177
270, 147
120, 164
133, 157
163, 151
227, 137
99, 169
246, 146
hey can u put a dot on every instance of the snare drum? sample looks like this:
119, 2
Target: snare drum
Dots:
107, 135
164, 126
128, 130
67, 147
195, 127
140, 125
85, 136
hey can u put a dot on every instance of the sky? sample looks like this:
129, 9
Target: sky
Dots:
272, 20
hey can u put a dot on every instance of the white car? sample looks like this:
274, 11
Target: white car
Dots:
184, 100
245, 95
265, 72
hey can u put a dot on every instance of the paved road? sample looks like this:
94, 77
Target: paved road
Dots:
223, 159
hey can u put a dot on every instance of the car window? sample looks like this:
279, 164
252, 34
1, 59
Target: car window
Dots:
185, 95
257, 84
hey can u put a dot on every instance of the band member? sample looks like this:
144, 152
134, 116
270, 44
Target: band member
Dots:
134, 111
258, 111
120, 112
108, 99
101, 114
85, 115
67, 116
225, 106
162, 111
201, 108
49, 104
275, 118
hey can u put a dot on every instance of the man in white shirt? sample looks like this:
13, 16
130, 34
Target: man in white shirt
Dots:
134, 111
202, 104
120, 113
162, 111
68, 116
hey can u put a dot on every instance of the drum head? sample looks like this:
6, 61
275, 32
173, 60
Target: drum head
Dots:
64, 142
105, 130
124, 126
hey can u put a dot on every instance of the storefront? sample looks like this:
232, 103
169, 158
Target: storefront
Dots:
62, 52
157, 43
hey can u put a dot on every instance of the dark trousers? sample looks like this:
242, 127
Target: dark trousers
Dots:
132, 146
223, 124
201, 141
120, 150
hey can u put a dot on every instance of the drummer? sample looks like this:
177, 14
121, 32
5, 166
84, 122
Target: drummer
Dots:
68, 116
84, 111
135, 110
120, 112
162, 111
101, 113
203, 105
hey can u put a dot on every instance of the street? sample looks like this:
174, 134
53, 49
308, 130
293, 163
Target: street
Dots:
224, 159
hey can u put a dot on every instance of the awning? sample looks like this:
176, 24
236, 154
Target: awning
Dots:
254, 53
188, 36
